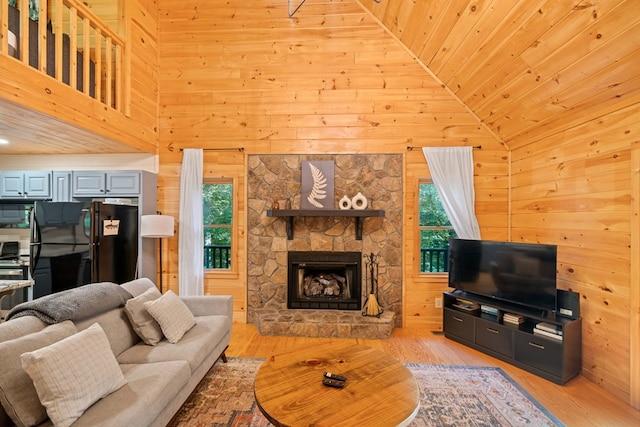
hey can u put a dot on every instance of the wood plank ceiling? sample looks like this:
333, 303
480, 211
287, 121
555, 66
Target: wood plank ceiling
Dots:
521, 66
31, 132
524, 67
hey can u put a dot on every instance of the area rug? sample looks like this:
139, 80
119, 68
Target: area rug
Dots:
449, 396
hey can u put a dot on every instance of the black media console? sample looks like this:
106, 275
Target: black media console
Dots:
545, 344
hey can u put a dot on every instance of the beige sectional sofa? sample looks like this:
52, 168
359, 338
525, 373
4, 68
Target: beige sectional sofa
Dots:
158, 377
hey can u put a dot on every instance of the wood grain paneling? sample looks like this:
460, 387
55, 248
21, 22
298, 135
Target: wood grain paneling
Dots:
519, 65
557, 81
331, 80
577, 195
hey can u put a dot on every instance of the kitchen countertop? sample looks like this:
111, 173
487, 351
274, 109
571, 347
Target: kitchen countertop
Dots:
12, 285
8, 287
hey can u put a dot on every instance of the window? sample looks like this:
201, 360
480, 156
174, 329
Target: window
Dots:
217, 215
435, 231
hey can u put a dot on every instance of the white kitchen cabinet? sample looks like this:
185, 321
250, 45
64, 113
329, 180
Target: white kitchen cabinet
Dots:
106, 183
25, 185
61, 186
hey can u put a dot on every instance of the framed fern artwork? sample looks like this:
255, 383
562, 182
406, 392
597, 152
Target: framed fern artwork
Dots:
317, 185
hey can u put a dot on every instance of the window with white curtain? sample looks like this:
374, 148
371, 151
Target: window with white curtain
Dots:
435, 230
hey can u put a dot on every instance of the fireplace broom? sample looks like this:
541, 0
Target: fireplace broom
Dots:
371, 307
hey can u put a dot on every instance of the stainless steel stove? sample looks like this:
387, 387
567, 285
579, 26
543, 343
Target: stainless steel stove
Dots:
13, 270
13, 262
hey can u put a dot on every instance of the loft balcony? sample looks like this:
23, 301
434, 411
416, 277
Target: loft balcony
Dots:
66, 41
74, 82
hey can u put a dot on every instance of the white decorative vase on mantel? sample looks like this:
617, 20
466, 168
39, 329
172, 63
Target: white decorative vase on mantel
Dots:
359, 202
344, 203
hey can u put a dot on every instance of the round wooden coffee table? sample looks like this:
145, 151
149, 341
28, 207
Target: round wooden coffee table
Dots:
379, 390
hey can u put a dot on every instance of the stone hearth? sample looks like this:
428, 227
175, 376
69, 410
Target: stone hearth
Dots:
277, 178
324, 323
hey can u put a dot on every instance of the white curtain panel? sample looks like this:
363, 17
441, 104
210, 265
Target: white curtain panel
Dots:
452, 174
191, 237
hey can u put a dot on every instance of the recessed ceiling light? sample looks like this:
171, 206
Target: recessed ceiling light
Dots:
3, 141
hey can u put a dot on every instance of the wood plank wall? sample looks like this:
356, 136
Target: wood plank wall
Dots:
329, 80
243, 74
574, 189
558, 82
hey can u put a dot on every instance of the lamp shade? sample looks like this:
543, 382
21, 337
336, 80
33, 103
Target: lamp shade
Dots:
156, 226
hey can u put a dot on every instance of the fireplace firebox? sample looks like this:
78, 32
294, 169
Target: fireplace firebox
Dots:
324, 280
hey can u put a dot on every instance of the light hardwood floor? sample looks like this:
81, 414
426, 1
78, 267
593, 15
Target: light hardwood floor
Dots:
579, 403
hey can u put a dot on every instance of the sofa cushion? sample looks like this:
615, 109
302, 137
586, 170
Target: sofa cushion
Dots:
194, 346
72, 374
117, 327
172, 314
150, 388
20, 327
17, 393
138, 286
142, 322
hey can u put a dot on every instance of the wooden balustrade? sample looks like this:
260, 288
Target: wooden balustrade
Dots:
89, 52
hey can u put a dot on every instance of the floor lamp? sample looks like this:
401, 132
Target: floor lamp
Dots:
157, 226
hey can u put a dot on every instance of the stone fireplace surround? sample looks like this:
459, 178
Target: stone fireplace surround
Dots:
277, 178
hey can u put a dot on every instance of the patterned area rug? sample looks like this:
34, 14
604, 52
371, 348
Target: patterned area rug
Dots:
449, 396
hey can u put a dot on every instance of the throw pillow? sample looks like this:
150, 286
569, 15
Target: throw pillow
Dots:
172, 314
72, 374
142, 322
17, 393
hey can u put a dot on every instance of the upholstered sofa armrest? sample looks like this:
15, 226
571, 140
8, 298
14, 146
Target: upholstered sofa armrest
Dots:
210, 304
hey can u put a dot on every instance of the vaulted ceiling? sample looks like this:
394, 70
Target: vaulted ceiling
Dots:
525, 68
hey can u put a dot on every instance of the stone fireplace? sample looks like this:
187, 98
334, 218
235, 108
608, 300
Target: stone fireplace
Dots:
324, 280
320, 312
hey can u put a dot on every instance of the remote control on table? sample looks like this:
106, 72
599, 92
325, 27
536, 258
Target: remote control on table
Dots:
333, 383
334, 376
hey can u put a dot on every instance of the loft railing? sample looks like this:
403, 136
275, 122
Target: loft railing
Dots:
65, 40
434, 260
217, 257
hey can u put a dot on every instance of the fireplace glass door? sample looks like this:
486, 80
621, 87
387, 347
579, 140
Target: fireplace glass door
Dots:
325, 280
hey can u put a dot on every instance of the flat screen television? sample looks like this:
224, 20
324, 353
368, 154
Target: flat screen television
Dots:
520, 273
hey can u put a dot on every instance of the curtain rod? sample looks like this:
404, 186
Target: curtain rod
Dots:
220, 149
410, 148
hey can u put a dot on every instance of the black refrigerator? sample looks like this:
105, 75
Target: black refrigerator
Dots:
75, 243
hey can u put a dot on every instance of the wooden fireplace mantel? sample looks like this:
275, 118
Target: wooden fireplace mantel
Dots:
291, 214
